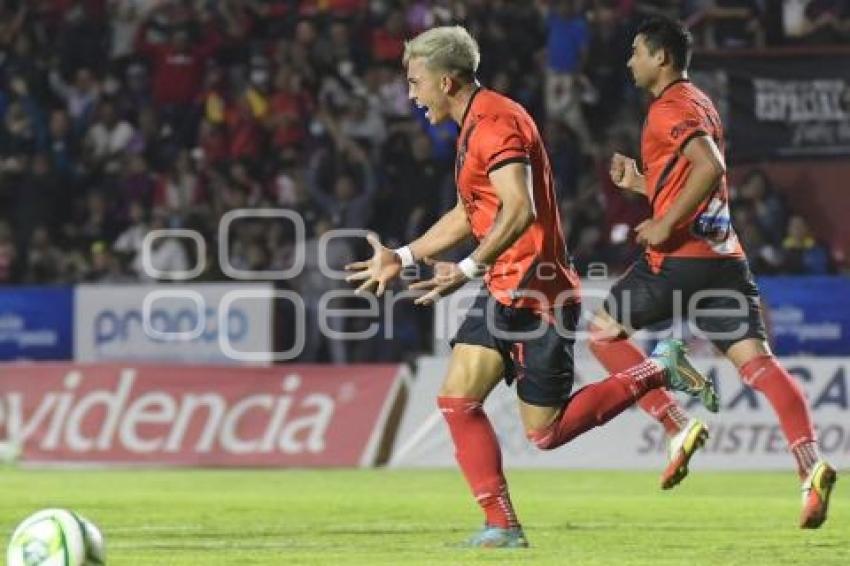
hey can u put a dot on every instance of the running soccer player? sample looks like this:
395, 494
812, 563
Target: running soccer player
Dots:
692, 253
521, 327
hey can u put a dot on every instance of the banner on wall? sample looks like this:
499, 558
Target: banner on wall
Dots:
744, 435
804, 315
36, 323
172, 323
808, 315
302, 416
780, 107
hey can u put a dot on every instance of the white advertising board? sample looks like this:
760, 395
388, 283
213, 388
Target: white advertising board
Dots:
169, 323
744, 435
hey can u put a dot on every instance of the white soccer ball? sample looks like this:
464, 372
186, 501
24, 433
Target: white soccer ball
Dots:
56, 537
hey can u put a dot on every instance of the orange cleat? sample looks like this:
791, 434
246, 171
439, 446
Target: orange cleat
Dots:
816, 491
682, 448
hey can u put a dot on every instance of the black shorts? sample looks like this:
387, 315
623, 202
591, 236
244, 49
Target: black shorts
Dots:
716, 296
542, 363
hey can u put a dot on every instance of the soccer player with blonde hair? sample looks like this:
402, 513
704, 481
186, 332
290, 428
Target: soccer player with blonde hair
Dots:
521, 327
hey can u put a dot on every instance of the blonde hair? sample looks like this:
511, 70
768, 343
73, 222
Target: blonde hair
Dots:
446, 48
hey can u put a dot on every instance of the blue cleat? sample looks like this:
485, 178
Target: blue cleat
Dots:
682, 376
497, 537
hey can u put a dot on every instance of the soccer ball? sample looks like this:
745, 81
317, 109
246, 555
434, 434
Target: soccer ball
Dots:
56, 537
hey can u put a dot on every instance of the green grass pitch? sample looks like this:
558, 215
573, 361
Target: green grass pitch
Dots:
190, 517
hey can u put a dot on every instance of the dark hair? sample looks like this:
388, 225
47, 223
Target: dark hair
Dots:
671, 36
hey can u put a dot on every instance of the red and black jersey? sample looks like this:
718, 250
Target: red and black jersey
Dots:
677, 115
535, 272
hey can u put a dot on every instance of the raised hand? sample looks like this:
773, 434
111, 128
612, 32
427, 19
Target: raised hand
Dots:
380, 269
447, 278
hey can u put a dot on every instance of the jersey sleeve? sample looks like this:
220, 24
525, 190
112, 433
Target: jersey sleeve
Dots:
677, 123
499, 141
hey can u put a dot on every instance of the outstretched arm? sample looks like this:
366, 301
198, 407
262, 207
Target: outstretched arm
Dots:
514, 185
451, 229
386, 264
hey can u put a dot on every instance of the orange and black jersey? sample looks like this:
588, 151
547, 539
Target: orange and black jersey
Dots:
535, 271
677, 115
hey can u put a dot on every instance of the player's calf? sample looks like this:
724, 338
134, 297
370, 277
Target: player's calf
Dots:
597, 403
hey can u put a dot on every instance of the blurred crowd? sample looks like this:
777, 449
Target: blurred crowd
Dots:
124, 116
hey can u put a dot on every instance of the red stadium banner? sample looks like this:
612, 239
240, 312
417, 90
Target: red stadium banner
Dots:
298, 415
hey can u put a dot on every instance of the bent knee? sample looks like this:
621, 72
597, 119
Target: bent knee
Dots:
543, 438
603, 328
745, 352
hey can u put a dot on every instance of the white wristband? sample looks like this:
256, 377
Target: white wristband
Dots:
405, 255
471, 268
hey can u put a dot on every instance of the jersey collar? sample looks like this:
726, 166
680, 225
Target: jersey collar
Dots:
669, 86
478, 89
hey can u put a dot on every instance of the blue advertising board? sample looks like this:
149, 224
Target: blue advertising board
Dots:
808, 315
36, 323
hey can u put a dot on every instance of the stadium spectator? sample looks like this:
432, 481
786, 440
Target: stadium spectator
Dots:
289, 107
63, 147
178, 69
388, 39
125, 17
105, 268
816, 21
727, 24
35, 199
95, 223
137, 184
765, 257
9, 261
107, 138
80, 97
608, 47
129, 242
167, 254
340, 169
312, 284
803, 254
119, 111
567, 45
11, 22
19, 141
756, 192
623, 211
408, 204
44, 259
179, 191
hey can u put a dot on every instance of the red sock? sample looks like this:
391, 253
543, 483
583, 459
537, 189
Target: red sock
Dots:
480, 458
619, 354
598, 403
789, 403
